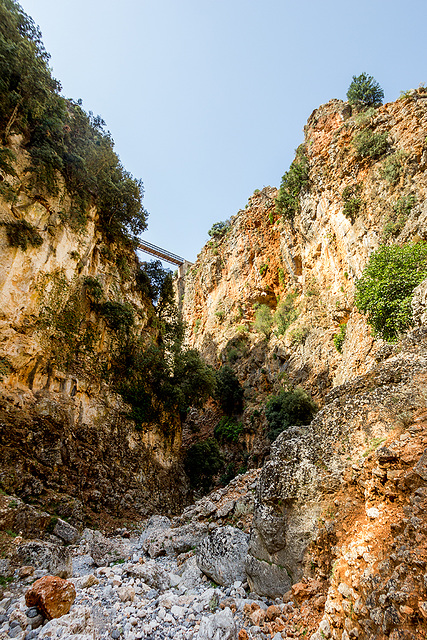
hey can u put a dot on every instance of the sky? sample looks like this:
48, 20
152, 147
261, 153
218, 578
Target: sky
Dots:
206, 100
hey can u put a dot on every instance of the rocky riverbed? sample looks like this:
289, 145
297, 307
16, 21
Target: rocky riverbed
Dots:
148, 582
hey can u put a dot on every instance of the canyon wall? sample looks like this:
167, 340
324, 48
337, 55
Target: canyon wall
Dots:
340, 502
66, 440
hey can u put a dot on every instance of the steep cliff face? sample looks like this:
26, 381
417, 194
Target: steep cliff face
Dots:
342, 499
68, 298
317, 257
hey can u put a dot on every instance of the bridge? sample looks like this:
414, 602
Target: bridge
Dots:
167, 256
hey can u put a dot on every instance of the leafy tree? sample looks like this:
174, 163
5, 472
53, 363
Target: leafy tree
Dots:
289, 407
385, 288
219, 229
202, 461
151, 277
193, 379
228, 390
293, 182
365, 91
59, 136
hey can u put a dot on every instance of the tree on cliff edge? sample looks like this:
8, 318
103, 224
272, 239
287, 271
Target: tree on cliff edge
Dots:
365, 91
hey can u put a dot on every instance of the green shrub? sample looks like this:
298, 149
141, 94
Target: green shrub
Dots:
340, 337
368, 144
293, 182
219, 229
21, 234
289, 407
403, 206
392, 168
228, 390
228, 430
63, 142
352, 201
401, 210
119, 317
93, 288
385, 288
202, 461
263, 269
263, 320
299, 335
285, 314
365, 91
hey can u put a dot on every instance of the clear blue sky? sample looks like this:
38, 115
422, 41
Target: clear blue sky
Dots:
206, 99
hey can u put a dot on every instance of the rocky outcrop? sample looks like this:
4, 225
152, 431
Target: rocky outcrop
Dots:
308, 464
313, 261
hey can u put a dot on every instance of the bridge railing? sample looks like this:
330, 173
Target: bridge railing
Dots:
163, 254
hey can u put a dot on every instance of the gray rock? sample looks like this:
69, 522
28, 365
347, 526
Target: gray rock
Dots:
104, 550
53, 558
66, 532
190, 573
267, 579
151, 573
220, 626
221, 555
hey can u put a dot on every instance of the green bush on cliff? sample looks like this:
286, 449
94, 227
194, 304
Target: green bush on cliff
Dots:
228, 430
352, 201
289, 407
340, 337
219, 229
365, 91
293, 182
21, 233
61, 139
263, 320
368, 144
384, 291
228, 390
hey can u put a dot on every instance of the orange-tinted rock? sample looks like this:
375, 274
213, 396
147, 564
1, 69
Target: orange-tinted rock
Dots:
272, 612
258, 617
303, 590
243, 635
52, 596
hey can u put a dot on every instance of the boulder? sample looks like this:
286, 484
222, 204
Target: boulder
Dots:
151, 573
52, 596
66, 532
159, 538
221, 555
266, 578
220, 626
55, 558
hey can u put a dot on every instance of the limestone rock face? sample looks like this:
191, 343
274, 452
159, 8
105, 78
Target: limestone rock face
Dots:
221, 555
52, 596
315, 260
76, 447
308, 465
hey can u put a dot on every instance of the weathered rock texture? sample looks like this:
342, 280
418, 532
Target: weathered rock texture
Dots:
317, 258
342, 499
52, 596
221, 555
65, 440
